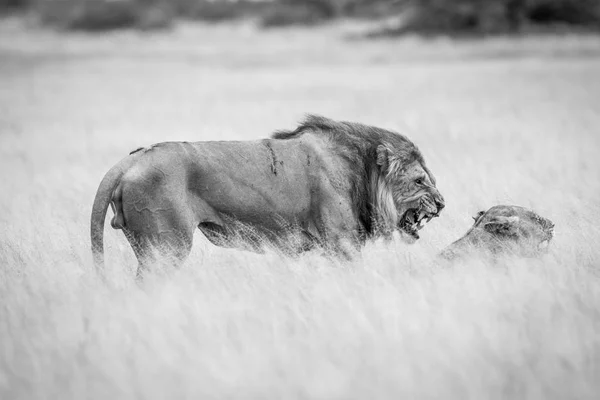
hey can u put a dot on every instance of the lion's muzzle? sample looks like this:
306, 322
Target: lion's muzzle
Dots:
439, 201
426, 207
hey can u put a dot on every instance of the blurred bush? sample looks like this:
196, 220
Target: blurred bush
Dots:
575, 12
497, 16
101, 15
444, 16
13, 5
303, 12
421, 16
220, 10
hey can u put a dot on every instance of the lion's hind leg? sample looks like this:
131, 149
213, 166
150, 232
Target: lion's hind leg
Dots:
161, 236
159, 251
142, 249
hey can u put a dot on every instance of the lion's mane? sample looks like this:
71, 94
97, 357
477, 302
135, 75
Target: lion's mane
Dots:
358, 145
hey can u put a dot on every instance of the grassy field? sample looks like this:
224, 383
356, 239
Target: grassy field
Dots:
499, 121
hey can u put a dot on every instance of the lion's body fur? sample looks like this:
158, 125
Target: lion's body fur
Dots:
321, 181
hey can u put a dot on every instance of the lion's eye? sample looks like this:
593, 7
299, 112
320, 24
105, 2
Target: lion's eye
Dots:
419, 181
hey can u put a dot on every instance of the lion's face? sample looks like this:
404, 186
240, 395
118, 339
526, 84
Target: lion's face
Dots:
505, 229
416, 198
405, 191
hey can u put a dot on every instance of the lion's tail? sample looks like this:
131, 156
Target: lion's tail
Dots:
101, 202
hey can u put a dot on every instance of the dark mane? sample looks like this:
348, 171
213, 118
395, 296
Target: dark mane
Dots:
354, 135
357, 144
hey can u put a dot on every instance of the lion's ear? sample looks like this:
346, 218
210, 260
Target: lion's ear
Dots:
502, 225
383, 157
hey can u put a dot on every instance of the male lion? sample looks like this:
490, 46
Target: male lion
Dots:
504, 230
333, 184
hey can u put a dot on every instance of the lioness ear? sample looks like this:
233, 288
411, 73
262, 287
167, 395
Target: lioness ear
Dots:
502, 225
478, 215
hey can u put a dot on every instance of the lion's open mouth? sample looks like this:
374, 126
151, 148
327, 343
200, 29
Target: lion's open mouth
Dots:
415, 219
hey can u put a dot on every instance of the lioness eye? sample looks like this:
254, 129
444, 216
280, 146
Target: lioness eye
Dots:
419, 181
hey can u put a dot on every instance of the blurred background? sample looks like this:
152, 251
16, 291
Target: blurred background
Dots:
501, 96
423, 16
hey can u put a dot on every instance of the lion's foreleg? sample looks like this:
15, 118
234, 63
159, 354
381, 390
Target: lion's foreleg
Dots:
337, 227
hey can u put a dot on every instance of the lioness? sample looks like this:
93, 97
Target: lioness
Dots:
333, 184
504, 230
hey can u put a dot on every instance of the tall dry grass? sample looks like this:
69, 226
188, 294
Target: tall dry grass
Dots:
498, 121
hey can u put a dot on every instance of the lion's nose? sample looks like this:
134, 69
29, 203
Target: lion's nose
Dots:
440, 203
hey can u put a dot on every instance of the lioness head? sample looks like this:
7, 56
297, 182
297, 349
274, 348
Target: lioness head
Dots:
406, 189
504, 230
